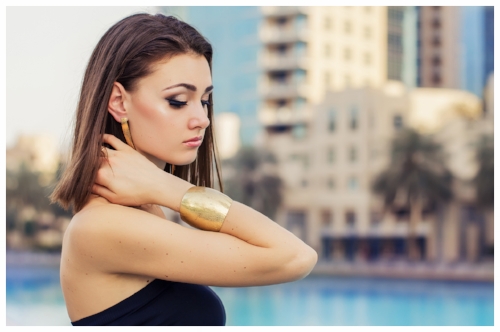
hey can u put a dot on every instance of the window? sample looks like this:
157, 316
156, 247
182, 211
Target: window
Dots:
281, 20
300, 103
326, 218
353, 154
281, 49
353, 183
301, 22
398, 122
281, 103
375, 218
299, 131
353, 121
330, 156
332, 120
279, 77
350, 218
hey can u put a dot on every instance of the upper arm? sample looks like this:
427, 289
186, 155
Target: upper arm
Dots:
117, 239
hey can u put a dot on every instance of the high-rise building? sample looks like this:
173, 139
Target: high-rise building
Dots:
438, 47
455, 47
233, 33
309, 50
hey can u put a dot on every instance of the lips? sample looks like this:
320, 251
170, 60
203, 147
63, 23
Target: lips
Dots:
194, 142
194, 139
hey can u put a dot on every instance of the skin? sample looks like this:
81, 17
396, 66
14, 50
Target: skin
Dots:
120, 241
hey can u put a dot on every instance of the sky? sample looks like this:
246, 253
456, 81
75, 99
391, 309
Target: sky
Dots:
47, 51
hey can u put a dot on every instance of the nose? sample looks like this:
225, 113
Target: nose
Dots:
199, 117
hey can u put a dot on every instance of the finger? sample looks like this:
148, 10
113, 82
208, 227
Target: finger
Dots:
104, 152
115, 142
103, 192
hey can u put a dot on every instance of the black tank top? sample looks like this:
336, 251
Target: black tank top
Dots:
163, 303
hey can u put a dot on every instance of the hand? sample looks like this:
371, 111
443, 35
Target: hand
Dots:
125, 176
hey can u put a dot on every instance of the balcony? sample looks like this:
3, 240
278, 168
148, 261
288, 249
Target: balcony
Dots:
283, 116
273, 34
287, 90
274, 62
274, 11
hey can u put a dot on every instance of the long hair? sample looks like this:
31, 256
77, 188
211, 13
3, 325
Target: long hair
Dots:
125, 54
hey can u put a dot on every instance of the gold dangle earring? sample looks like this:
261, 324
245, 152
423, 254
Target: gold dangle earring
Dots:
126, 132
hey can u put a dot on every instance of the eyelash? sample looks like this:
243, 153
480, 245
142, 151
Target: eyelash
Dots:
178, 104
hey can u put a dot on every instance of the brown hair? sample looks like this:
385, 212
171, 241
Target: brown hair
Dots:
125, 54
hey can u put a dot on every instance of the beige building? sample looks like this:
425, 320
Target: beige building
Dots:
308, 50
439, 47
329, 168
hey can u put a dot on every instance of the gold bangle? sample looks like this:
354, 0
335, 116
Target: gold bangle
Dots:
205, 208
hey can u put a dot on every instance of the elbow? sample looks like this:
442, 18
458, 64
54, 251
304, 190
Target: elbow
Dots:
303, 263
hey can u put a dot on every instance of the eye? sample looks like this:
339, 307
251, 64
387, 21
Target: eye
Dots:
176, 103
206, 103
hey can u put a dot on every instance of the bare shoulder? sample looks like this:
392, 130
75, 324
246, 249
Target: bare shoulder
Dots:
95, 228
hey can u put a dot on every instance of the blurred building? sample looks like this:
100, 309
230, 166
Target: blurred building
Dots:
233, 33
438, 47
455, 47
402, 44
328, 171
308, 50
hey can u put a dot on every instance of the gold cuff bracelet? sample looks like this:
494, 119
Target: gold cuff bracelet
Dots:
205, 208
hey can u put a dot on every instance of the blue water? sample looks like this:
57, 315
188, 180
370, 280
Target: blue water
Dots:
34, 297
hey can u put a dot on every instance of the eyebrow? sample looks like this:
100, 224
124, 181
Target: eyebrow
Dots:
189, 87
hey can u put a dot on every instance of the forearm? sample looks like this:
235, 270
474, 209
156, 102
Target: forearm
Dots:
241, 221
246, 224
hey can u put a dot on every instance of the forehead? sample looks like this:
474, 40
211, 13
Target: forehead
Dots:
183, 68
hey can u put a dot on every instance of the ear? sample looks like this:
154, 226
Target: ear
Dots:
116, 102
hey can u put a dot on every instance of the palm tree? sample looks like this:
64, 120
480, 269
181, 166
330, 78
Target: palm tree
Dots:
250, 177
483, 181
417, 171
484, 185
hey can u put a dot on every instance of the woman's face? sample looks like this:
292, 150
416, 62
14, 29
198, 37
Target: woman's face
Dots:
168, 108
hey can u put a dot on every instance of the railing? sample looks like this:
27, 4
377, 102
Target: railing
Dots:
286, 62
283, 116
283, 90
271, 34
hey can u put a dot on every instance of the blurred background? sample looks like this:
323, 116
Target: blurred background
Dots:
366, 131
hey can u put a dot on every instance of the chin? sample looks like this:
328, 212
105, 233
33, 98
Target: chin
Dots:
183, 161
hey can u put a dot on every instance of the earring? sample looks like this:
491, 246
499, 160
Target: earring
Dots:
126, 132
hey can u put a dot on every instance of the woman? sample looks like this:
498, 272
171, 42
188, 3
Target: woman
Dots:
145, 109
